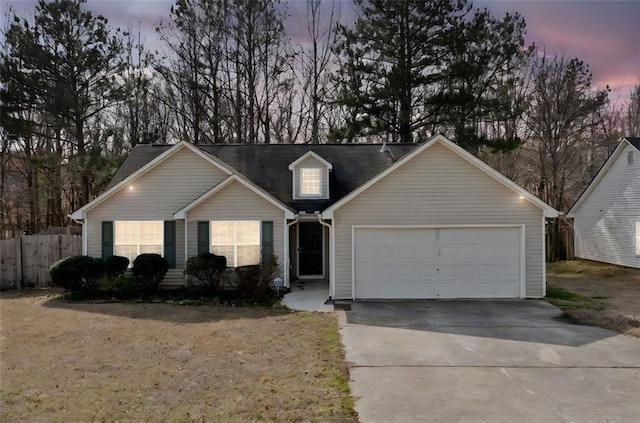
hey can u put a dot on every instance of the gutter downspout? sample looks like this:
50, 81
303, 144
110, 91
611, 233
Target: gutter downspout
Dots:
328, 226
287, 252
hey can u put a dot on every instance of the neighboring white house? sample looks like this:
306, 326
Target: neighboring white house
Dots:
607, 214
374, 221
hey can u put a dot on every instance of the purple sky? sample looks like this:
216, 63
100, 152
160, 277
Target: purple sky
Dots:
603, 33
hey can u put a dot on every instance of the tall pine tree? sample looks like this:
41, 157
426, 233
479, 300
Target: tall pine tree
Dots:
412, 68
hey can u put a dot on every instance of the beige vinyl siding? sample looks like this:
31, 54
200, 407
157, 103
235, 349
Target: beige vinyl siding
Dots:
236, 202
156, 195
179, 244
438, 187
311, 162
605, 222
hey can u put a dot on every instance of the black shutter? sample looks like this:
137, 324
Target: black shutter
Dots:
267, 241
203, 237
170, 242
107, 239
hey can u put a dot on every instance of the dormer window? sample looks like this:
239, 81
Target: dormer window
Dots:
310, 177
310, 181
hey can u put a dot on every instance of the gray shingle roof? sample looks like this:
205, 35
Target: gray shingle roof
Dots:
634, 142
266, 165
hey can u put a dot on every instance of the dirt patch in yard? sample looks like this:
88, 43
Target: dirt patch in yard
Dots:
159, 362
598, 294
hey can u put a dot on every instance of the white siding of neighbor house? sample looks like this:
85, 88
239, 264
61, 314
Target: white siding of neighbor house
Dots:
311, 162
605, 222
156, 195
438, 187
236, 202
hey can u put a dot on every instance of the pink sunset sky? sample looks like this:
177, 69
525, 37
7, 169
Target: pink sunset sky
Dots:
603, 33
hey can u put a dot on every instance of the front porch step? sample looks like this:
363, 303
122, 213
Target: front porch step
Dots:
173, 279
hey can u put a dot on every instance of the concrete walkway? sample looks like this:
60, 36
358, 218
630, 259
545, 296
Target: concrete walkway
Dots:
486, 361
309, 296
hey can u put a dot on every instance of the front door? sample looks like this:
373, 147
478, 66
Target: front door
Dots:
310, 249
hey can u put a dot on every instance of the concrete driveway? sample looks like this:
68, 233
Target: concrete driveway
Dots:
486, 361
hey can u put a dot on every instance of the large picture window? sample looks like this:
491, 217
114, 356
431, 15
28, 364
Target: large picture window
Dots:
238, 241
133, 238
310, 181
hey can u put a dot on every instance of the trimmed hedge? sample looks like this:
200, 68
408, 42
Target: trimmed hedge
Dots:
255, 282
206, 268
115, 266
77, 273
149, 270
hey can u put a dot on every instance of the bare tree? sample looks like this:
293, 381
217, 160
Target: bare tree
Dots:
255, 64
564, 110
196, 43
632, 118
315, 59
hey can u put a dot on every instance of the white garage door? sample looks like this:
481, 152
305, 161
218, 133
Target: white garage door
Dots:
437, 263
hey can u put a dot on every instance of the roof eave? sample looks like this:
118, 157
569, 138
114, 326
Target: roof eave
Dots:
548, 211
622, 144
182, 213
82, 211
310, 154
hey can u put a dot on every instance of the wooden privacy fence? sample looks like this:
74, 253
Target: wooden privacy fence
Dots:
25, 261
559, 239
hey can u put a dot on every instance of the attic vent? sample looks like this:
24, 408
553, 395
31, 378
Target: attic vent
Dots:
630, 157
384, 149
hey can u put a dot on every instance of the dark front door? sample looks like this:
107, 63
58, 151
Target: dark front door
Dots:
310, 249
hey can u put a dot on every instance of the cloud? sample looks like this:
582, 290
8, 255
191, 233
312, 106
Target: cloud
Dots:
603, 34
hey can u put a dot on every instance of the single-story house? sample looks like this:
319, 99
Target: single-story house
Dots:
607, 214
375, 221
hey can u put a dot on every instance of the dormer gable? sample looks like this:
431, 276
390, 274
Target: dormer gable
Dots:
310, 174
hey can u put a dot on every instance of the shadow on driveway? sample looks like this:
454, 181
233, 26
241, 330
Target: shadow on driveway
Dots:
517, 320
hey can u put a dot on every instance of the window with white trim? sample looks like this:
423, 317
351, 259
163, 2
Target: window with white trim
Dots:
310, 181
637, 238
237, 240
132, 238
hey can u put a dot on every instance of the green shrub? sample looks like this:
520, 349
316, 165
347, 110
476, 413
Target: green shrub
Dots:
122, 286
149, 270
254, 282
115, 266
77, 273
204, 271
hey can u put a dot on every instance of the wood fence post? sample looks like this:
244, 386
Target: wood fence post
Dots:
19, 261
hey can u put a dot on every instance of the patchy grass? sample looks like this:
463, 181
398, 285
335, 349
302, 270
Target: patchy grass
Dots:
166, 362
571, 301
586, 268
597, 294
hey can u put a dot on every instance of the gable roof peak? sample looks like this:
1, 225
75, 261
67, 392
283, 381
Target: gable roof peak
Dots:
600, 174
474, 161
634, 141
307, 155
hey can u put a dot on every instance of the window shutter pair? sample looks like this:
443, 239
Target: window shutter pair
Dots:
266, 232
169, 241
203, 240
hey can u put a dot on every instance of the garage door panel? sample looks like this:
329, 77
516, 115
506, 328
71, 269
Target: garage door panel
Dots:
437, 263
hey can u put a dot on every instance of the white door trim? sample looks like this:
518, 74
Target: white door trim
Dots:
320, 276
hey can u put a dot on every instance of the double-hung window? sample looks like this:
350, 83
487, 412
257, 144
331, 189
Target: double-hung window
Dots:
133, 238
238, 241
310, 181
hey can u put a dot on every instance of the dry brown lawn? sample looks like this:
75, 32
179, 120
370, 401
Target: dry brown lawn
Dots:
78, 362
595, 293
